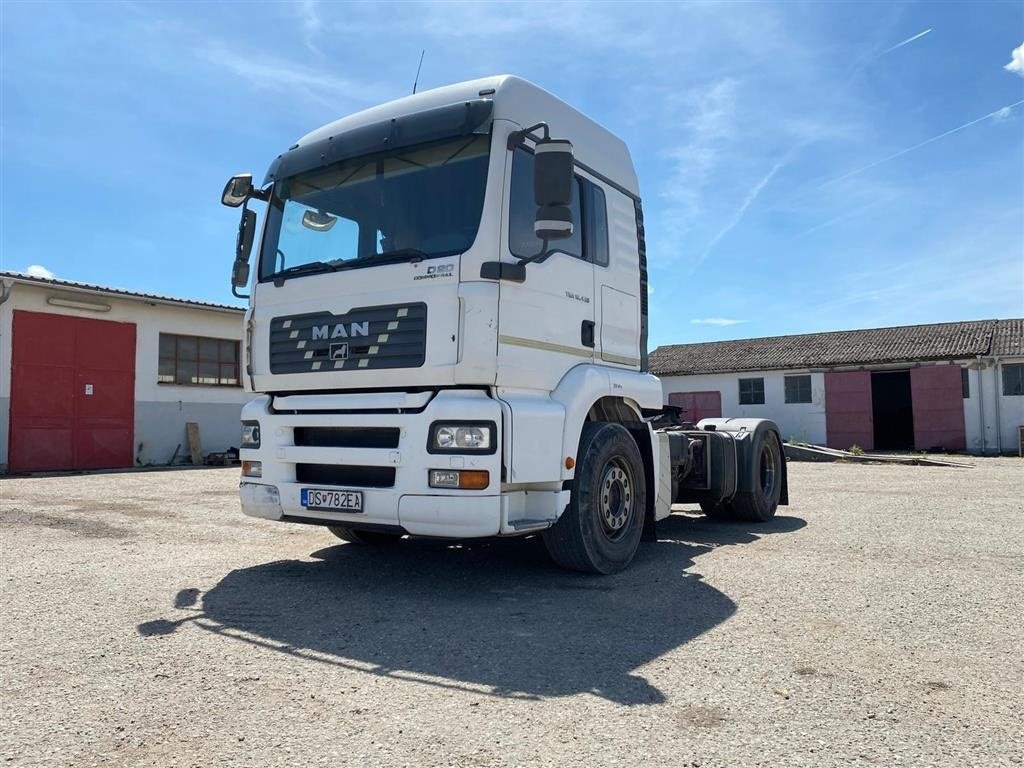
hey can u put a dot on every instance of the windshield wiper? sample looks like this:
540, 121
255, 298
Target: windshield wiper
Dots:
303, 269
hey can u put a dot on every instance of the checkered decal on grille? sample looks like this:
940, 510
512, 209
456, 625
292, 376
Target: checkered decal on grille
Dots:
393, 336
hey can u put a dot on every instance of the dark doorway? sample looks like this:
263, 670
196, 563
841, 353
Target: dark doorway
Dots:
892, 409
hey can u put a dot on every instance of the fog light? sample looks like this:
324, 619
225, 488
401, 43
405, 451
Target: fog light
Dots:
252, 469
463, 479
444, 478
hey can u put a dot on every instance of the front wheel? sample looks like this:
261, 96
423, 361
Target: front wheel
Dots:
600, 530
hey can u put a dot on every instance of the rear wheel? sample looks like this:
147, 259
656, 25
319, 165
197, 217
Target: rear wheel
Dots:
600, 530
376, 538
760, 504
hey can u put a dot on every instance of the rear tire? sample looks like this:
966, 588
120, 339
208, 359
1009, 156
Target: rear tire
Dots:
600, 530
760, 504
373, 538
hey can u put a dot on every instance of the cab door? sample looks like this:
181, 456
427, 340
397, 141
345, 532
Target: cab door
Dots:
546, 323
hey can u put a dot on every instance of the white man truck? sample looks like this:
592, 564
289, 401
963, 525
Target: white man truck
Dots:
447, 329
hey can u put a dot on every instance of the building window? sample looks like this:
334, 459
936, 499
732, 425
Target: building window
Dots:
798, 388
1013, 380
965, 382
198, 361
752, 391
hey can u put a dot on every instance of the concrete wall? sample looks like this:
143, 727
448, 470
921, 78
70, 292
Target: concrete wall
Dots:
804, 422
161, 410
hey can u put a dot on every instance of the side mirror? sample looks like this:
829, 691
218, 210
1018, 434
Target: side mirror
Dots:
246, 234
240, 274
553, 180
243, 247
238, 189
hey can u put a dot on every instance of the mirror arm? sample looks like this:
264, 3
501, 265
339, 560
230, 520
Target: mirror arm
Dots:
518, 137
237, 295
542, 254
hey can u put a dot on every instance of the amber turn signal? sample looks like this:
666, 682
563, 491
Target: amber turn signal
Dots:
463, 479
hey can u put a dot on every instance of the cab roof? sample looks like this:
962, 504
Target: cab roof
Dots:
515, 100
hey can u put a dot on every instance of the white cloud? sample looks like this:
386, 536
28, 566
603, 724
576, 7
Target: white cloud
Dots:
316, 84
38, 270
1001, 114
1016, 64
712, 124
720, 321
309, 13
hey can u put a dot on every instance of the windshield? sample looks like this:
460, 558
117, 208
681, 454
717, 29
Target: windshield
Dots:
418, 202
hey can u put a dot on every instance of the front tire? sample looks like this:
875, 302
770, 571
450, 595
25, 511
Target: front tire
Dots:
373, 538
600, 530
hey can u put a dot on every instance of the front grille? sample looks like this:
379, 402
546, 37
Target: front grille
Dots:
347, 437
348, 475
390, 336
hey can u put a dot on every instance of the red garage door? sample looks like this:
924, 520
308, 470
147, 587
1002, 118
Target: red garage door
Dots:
848, 415
697, 405
72, 393
938, 408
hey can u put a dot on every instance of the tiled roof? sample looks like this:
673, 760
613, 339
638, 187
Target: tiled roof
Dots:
92, 288
1008, 338
942, 341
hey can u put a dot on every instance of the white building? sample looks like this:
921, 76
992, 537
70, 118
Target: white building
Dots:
949, 386
94, 377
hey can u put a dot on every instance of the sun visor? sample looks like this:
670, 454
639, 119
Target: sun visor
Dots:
452, 120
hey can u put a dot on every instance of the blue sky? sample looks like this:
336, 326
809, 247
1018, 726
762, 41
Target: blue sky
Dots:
804, 167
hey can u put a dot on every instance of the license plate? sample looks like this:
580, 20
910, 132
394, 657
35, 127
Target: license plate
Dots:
332, 500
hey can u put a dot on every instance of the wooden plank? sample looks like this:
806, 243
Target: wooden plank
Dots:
194, 446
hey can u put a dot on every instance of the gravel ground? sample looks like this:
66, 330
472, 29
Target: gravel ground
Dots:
877, 621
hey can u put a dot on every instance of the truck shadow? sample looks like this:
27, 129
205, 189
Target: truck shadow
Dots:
493, 616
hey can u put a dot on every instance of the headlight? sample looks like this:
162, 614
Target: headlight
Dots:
250, 434
462, 437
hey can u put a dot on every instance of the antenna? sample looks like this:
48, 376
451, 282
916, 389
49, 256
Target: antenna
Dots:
418, 68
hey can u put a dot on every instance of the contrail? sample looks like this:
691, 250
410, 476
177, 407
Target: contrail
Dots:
909, 40
737, 217
926, 142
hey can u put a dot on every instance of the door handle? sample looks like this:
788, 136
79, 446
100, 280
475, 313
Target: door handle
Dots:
587, 333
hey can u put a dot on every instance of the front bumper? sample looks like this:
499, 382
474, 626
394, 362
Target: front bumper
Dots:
409, 503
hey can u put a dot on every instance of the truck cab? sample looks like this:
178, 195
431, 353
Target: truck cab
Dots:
445, 290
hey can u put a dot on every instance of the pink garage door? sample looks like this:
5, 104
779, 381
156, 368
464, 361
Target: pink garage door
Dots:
938, 408
697, 405
848, 419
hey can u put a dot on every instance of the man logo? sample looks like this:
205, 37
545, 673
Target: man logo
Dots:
339, 351
354, 329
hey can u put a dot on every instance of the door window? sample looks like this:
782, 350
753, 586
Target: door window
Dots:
522, 241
